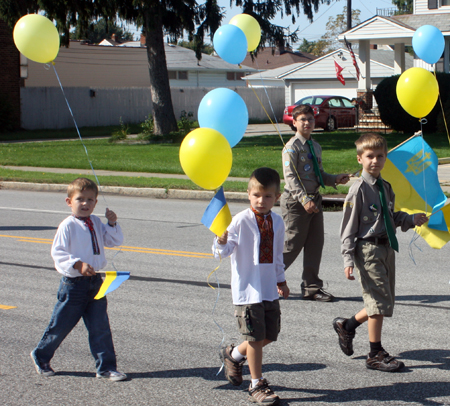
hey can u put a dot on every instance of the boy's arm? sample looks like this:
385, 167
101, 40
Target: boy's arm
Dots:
282, 286
293, 183
63, 259
230, 242
350, 227
112, 233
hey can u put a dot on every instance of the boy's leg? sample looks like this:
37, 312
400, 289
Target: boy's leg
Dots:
66, 314
96, 320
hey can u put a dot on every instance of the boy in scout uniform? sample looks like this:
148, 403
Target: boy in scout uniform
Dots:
368, 241
301, 202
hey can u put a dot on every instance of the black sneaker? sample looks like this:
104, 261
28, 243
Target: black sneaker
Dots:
231, 368
262, 394
345, 337
41, 368
384, 362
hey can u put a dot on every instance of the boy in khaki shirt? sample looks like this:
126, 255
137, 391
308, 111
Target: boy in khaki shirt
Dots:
368, 241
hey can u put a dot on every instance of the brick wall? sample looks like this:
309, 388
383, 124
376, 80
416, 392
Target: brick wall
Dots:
9, 73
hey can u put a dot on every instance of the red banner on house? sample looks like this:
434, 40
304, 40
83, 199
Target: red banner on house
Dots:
355, 64
339, 70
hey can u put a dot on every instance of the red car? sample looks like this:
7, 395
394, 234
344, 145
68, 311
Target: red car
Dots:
330, 112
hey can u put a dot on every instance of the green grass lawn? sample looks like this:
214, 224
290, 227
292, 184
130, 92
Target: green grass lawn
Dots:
339, 156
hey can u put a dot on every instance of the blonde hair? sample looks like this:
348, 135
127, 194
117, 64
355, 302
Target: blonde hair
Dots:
370, 141
81, 184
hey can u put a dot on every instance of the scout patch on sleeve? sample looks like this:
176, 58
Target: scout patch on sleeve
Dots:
286, 163
348, 204
286, 150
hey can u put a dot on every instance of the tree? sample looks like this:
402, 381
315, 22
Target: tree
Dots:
206, 48
403, 6
158, 18
99, 30
337, 25
316, 48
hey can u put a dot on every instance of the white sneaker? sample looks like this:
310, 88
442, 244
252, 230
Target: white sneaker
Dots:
112, 376
42, 368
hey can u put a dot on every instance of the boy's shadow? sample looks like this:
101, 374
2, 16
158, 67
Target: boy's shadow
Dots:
440, 359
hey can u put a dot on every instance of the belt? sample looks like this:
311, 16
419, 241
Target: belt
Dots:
310, 195
376, 240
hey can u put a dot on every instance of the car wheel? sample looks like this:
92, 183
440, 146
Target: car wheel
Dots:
331, 124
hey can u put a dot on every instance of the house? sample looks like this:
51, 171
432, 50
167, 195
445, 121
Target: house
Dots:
319, 76
84, 65
397, 31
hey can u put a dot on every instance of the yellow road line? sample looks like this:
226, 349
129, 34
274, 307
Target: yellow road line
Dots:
4, 307
143, 250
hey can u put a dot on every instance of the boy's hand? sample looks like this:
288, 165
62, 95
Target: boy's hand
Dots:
283, 291
342, 179
84, 268
349, 273
311, 207
420, 219
111, 217
222, 240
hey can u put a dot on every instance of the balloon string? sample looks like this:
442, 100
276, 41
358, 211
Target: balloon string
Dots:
215, 304
275, 126
78, 130
442, 107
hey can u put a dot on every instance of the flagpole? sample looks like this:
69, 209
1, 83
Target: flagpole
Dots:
417, 134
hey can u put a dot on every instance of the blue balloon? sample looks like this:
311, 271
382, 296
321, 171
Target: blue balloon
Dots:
230, 43
225, 111
428, 43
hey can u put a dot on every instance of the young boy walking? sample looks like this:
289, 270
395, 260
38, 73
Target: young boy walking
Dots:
301, 202
254, 240
368, 241
78, 252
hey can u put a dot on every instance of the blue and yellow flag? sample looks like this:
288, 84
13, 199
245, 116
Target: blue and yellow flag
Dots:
112, 281
411, 169
217, 215
436, 238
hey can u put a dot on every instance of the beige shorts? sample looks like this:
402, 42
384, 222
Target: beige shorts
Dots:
259, 321
376, 270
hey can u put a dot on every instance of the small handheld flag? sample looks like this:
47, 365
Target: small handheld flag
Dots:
217, 215
112, 281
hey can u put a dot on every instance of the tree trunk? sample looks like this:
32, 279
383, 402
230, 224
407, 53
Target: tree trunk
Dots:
163, 116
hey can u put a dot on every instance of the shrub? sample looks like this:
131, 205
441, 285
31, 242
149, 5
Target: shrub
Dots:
121, 134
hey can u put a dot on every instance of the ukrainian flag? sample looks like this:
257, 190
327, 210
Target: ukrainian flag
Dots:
436, 238
112, 281
411, 169
217, 215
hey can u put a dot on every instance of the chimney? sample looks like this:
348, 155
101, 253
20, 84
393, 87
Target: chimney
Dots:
281, 47
373, 46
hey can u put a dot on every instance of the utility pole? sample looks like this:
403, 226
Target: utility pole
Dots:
349, 14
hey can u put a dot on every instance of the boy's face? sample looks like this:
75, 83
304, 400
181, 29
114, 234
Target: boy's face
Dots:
262, 200
373, 161
82, 203
304, 123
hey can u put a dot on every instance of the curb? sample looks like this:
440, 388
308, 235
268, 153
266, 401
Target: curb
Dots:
155, 193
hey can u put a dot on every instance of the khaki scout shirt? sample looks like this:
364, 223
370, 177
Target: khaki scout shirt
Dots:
363, 216
297, 158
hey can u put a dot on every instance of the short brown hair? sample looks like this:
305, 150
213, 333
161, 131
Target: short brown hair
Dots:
81, 184
302, 109
265, 177
370, 141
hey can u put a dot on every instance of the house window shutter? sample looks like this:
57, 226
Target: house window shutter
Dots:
432, 4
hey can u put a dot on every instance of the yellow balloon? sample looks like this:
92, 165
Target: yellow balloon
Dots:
37, 38
417, 91
206, 157
251, 28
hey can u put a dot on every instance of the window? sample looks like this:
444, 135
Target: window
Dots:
445, 2
347, 103
180, 75
334, 103
235, 75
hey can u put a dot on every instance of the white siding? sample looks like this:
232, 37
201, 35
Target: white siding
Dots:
380, 28
421, 7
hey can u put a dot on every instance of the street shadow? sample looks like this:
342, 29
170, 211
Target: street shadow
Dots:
27, 228
211, 374
414, 392
440, 358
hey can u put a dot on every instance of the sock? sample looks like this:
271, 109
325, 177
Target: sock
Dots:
351, 324
375, 348
255, 381
237, 355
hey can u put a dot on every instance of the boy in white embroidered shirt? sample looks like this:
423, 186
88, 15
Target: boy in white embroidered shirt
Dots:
255, 240
78, 252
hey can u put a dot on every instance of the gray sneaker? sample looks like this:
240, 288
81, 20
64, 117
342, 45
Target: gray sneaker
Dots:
262, 395
112, 376
41, 368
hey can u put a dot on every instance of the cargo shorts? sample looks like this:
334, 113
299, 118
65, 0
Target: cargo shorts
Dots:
259, 321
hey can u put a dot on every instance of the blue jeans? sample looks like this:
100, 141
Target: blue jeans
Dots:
76, 301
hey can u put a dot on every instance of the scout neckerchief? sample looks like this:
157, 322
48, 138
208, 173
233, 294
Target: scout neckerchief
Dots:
315, 162
88, 223
387, 220
265, 225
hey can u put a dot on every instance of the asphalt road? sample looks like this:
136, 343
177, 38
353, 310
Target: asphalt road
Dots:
165, 332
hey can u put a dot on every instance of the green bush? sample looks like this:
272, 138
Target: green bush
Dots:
393, 114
